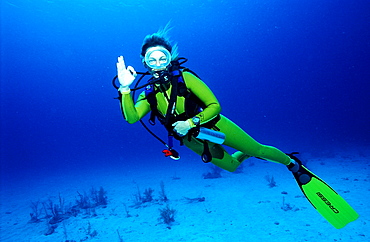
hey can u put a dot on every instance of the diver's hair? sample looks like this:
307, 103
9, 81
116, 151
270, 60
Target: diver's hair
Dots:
160, 38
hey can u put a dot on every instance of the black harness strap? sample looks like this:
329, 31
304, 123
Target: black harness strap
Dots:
170, 117
150, 94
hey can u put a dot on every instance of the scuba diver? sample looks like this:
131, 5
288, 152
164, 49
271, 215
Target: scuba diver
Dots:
191, 113
185, 110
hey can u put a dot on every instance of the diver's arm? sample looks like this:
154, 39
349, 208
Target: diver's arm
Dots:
204, 93
126, 76
134, 112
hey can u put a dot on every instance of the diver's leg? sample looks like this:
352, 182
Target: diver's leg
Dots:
241, 141
220, 157
240, 156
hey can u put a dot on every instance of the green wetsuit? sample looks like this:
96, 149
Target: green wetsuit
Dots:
235, 136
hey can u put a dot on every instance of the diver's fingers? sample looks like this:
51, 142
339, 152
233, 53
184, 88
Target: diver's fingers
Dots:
132, 71
121, 63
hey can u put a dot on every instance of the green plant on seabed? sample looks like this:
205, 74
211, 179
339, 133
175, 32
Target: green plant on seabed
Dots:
271, 181
287, 206
167, 215
162, 193
55, 213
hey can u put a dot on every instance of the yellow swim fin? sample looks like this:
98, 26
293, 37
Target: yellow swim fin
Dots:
323, 198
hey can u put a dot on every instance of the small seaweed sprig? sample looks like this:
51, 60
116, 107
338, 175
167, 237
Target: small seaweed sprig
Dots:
99, 197
194, 200
90, 231
128, 215
287, 206
148, 195
36, 212
270, 181
162, 193
167, 215
140, 199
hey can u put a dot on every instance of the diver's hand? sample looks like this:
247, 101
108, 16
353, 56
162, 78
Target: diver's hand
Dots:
182, 127
125, 75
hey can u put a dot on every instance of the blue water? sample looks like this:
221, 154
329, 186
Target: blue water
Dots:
292, 74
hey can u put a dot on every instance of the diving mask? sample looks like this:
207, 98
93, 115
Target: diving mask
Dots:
157, 58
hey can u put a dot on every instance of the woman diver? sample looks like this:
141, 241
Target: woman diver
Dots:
191, 113
186, 106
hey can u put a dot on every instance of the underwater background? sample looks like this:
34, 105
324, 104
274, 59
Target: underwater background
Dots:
292, 74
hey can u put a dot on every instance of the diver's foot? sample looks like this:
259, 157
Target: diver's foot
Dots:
240, 156
295, 163
293, 166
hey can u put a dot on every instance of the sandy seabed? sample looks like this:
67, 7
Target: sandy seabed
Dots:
236, 207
